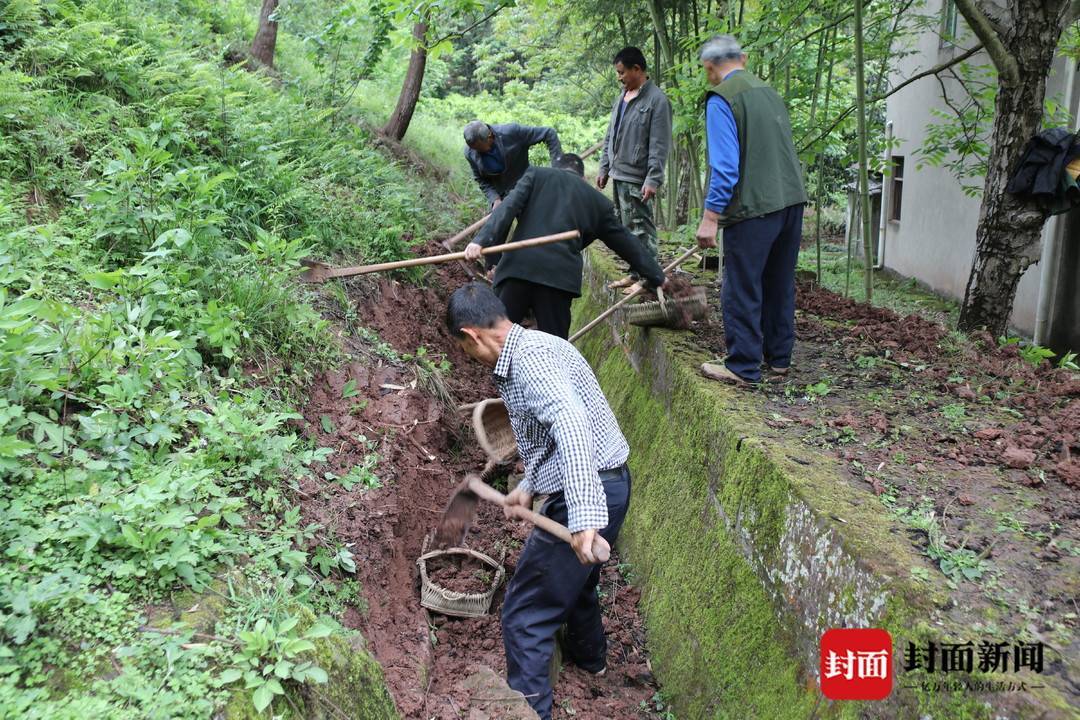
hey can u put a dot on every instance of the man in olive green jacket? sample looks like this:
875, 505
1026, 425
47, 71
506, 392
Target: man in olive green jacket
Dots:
756, 195
635, 148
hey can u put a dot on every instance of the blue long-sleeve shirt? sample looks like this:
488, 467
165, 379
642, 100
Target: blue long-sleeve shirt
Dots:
723, 153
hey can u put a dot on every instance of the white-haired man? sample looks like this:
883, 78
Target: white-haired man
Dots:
756, 195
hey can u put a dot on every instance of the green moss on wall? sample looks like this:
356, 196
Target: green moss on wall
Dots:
722, 508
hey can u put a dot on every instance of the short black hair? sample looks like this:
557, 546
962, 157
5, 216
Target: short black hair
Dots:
473, 305
570, 161
629, 57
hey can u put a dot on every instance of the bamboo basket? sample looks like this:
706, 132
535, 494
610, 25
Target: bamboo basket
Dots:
491, 423
450, 602
647, 314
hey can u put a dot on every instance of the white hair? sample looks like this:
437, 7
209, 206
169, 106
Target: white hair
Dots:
720, 48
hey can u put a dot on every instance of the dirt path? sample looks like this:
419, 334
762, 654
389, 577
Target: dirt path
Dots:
377, 405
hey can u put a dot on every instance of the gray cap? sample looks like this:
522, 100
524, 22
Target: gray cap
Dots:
476, 131
720, 48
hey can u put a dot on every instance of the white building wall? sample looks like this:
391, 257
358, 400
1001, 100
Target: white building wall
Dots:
934, 241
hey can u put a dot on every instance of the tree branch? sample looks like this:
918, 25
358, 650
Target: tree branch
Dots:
982, 27
1073, 13
918, 76
461, 33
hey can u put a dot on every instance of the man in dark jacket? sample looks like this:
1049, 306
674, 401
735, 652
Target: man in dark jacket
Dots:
546, 279
499, 154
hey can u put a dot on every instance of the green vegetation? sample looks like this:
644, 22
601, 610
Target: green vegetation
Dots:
155, 202
905, 297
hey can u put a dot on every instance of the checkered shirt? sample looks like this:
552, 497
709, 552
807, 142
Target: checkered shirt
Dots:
565, 430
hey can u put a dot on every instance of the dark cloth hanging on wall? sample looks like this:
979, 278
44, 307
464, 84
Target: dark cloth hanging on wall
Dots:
1041, 173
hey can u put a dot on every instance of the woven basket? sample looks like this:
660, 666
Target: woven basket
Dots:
450, 602
491, 423
693, 304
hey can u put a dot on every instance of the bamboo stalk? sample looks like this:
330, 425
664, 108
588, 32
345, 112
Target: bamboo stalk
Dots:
864, 191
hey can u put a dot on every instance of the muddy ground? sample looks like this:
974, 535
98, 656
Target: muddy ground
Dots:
972, 450
385, 405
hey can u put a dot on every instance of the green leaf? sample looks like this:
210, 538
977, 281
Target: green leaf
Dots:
104, 280
294, 647
349, 390
294, 558
317, 674
327, 424
11, 446
208, 521
230, 675
234, 519
262, 697
319, 630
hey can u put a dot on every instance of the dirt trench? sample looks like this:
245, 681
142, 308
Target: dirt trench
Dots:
424, 449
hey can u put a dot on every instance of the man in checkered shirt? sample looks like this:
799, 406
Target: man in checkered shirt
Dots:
575, 454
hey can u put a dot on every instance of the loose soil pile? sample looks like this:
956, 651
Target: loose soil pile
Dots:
460, 573
959, 430
425, 449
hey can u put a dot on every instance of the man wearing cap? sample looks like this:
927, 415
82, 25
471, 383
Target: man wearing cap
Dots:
575, 453
499, 154
756, 195
544, 280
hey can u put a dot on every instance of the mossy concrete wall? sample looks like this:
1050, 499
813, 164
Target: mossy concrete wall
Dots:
748, 545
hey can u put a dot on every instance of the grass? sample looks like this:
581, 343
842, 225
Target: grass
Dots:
903, 296
155, 204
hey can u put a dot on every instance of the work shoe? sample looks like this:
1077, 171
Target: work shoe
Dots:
720, 371
624, 282
781, 371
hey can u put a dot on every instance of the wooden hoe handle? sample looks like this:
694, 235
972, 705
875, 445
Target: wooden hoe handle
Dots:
317, 273
600, 318
601, 549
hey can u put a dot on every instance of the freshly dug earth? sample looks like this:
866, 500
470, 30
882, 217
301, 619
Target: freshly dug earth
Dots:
424, 450
460, 573
957, 431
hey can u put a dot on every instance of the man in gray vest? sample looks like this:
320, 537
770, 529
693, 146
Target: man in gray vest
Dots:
499, 154
756, 195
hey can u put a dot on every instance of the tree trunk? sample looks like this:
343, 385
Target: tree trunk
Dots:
1007, 241
262, 48
1009, 234
399, 121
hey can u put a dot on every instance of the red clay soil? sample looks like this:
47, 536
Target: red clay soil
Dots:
460, 573
424, 450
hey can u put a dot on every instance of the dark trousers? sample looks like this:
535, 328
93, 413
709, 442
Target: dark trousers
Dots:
550, 587
550, 307
758, 295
